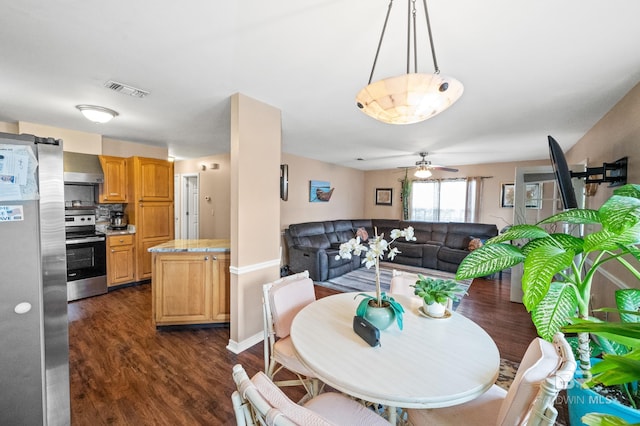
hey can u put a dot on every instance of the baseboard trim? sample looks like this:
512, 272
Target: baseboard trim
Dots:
237, 347
255, 267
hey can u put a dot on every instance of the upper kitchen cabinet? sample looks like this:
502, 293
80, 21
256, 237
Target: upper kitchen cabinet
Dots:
152, 178
114, 188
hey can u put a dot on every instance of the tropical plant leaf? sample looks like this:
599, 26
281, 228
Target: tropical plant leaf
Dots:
628, 299
629, 190
624, 333
599, 419
578, 216
619, 213
540, 267
554, 310
519, 232
488, 259
617, 369
600, 241
362, 306
566, 241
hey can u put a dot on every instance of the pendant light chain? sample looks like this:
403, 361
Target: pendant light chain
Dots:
384, 27
433, 49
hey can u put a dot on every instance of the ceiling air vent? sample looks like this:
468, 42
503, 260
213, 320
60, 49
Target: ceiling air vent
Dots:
125, 89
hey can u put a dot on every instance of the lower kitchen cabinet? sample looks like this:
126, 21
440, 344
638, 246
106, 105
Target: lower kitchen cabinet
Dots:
120, 259
190, 288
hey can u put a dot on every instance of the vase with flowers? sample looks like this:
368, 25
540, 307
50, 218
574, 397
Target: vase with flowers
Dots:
381, 310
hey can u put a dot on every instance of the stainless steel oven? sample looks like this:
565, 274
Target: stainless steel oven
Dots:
86, 255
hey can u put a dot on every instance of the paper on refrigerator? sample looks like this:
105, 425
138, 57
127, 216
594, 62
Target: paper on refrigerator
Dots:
18, 167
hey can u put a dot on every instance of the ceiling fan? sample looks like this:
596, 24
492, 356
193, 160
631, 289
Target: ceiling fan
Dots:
424, 167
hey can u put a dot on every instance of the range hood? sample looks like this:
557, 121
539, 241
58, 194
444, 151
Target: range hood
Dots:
82, 169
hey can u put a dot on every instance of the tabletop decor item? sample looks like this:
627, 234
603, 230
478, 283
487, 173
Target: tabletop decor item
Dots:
559, 267
370, 307
436, 293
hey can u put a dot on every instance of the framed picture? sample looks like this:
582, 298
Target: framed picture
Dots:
507, 195
319, 191
533, 197
384, 196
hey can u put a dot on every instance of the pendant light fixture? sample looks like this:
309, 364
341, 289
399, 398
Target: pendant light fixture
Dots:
411, 97
97, 114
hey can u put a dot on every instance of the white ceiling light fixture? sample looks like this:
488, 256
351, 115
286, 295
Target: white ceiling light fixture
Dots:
97, 114
422, 172
411, 97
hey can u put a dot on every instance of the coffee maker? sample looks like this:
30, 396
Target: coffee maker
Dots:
118, 220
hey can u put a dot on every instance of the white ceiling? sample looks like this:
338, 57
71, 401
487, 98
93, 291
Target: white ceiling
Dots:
529, 68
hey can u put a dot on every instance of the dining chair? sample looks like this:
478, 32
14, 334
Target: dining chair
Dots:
282, 300
545, 369
258, 401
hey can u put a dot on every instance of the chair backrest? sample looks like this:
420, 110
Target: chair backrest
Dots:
281, 301
545, 369
401, 283
259, 400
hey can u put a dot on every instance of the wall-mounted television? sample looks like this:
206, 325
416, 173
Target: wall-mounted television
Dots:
563, 175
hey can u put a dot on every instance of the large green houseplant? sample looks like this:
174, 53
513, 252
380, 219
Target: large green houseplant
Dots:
559, 267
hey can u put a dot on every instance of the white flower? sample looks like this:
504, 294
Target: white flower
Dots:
377, 247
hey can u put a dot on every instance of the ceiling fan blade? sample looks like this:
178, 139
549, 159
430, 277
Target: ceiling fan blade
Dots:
446, 169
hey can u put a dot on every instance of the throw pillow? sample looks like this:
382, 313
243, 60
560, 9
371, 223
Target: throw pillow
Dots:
363, 234
475, 243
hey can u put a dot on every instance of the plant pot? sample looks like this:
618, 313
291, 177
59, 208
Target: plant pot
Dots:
435, 309
381, 317
584, 401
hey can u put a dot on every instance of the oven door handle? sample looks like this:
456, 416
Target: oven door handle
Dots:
84, 240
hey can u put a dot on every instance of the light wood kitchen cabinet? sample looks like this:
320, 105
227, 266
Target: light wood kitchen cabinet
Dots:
150, 208
153, 179
120, 259
187, 288
114, 188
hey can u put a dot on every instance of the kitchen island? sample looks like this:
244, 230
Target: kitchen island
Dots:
190, 282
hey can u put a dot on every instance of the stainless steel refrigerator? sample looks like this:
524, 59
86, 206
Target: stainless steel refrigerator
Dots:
34, 338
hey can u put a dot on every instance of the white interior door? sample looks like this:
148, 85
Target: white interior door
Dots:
190, 206
177, 192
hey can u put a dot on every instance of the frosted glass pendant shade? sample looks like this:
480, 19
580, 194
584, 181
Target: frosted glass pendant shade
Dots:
409, 98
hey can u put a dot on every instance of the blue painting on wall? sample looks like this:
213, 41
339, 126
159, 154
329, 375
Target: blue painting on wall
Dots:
319, 191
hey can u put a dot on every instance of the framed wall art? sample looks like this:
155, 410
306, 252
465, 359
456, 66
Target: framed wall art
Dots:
384, 196
319, 191
533, 196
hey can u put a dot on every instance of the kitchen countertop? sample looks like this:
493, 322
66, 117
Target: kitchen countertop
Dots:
202, 245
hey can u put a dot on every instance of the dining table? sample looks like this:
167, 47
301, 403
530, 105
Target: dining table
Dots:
430, 363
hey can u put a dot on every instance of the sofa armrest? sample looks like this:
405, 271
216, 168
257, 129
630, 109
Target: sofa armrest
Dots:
312, 259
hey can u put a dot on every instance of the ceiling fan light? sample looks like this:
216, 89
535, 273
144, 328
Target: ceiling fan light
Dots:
97, 114
422, 173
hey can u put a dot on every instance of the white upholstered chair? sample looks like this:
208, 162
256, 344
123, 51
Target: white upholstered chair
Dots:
545, 369
258, 401
401, 282
282, 300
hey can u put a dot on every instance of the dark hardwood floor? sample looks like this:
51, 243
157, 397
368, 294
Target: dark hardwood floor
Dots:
125, 372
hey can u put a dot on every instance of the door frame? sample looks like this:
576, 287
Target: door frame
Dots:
184, 200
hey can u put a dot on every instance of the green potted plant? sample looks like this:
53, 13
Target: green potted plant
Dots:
381, 309
436, 293
558, 268
618, 372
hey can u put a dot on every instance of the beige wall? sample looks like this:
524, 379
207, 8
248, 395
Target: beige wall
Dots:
119, 148
490, 209
346, 201
616, 135
255, 214
215, 184
9, 127
73, 140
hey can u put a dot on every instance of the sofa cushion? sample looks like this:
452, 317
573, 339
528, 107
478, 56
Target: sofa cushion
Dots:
457, 241
408, 249
450, 255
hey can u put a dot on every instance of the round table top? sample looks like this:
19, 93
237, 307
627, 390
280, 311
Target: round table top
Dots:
431, 363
